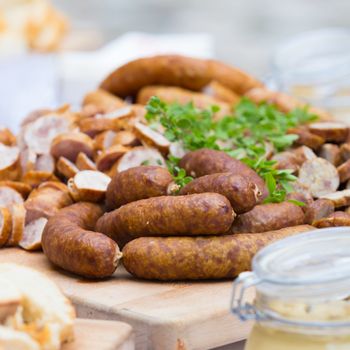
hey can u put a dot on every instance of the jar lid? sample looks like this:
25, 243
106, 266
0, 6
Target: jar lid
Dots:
316, 257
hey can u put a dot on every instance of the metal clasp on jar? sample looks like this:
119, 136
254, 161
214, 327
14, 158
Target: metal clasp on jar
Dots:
239, 306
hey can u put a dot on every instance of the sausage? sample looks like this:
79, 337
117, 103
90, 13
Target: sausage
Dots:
137, 183
18, 213
83, 162
126, 138
45, 162
70, 144
195, 214
268, 217
331, 152
330, 131
306, 138
304, 153
104, 139
69, 242
66, 168
10, 168
344, 171
338, 218
303, 197
20, 187
104, 101
206, 161
88, 186
46, 200
220, 92
170, 94
32, 234
339, 198
173, 70
320, 176
109, 156
198, 258
242, 194
287, 160
34, 177
5, 225
345, 151
283, 102
317, 210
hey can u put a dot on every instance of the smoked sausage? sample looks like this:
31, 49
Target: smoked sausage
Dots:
69, 242
195, 214
198, 258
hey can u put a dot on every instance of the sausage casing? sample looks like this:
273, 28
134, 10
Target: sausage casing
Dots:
137, 183
242, 194
268, 217
196, 214
69, 242
194, 258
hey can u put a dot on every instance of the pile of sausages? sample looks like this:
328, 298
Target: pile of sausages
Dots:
92, 187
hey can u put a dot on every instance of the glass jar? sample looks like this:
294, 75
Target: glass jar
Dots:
302, 293
315, 67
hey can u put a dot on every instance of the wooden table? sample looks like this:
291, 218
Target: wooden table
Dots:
164, 316
101, 335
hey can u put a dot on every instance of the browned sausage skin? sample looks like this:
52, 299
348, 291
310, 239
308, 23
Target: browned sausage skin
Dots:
197, 258
69, 242
173, 70
196, 214
137, 183
268, 217
242, 194
207, 161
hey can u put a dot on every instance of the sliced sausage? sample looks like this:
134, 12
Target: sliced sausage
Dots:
196, 214
103, 100
330, 131
304, 153
344, 171
242, 194
66, 168
268, 217
345, 151
331, 152
20, 187
287, 160
109, 156
18, 213
5, 225
198, 258
32, 234
317, 210
126, 138
338, 218
306, 138
69, 242
339, 198
320, 176
83, 162
10, 168
45, 162
206, 161
35, 177
137, 183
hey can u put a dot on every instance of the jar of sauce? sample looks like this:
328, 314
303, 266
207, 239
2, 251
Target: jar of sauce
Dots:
302, 293
315, 67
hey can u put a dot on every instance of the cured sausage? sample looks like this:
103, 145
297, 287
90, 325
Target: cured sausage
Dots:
174, 70
320, 177
338, 218
242, 194
344, 171
345, 151
268, 217
137, 183
69, 242
109, 156
330, 131
66, 168
339, 198
83, 162
306, 138
196, 214
332, 153
283, 102
317, 210
170, 94
287, 160
198, 258
32, 234
207, 161
10, 168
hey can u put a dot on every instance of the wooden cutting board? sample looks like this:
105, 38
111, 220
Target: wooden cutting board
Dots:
174, 316
101, 335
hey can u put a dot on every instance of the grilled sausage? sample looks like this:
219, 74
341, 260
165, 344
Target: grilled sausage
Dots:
242, 194
174, 70
206, 161
197, 258
137, 183
69, 242
196, 214
268, 217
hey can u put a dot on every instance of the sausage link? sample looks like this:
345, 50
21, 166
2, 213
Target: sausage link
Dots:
268, 217
242, 194
195, 258
319, 209
196, 214
69, 242
137, 183
207, 161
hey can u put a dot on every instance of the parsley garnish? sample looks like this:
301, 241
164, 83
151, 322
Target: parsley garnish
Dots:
245, 135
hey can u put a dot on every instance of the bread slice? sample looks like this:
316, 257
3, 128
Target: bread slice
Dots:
44, 312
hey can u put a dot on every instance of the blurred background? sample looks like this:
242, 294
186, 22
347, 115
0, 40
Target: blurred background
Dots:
83, 40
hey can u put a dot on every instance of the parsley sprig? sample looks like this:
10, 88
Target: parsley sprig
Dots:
246, 135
